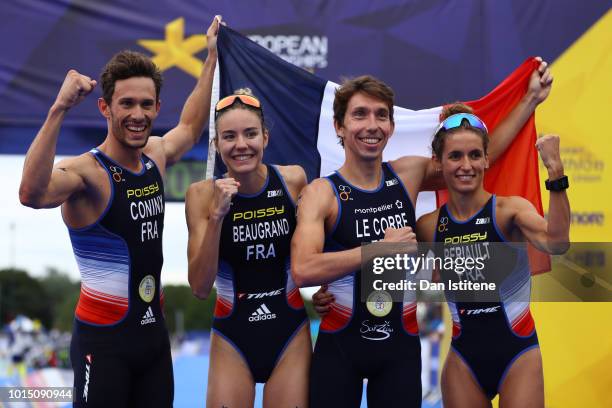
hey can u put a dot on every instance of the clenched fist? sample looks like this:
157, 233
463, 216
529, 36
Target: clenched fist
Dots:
224, 190
404, 234
74, 89
540, 82
548, 148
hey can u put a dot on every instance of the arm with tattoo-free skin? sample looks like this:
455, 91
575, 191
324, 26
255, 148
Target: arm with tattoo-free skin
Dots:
550, 235
206, 205
42, 184
169, 149
540, 85
311, 266
322, 298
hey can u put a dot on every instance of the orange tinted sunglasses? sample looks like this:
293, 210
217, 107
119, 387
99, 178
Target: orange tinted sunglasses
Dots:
230, 100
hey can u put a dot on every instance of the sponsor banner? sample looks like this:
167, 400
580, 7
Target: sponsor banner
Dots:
347, 39
579, 101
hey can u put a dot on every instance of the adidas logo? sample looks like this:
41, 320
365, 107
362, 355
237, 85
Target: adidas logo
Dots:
262, 313
148, 317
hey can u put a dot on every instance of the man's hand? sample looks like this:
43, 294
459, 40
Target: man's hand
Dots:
322, 300
74, 89
404, 234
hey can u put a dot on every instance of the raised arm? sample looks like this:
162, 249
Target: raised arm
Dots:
538, 90
42, 184
206, 205
550, 235
309, 264
195, 112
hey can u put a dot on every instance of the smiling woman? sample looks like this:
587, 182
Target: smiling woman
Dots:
240, 229
474, 374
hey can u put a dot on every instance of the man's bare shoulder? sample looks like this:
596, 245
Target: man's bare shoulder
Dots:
85, 165
408, 165
155, 150
320, 188
412, 170
84, 161
82, 208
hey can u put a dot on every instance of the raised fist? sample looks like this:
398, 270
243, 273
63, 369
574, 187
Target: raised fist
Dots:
540, 82
74, 89
548, 148
224, 190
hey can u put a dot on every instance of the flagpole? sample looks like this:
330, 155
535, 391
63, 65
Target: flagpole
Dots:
214, 98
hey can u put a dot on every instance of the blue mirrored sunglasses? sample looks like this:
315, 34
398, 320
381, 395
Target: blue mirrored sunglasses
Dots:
455, 121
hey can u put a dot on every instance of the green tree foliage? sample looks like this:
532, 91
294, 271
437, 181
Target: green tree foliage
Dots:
63, 316
310, 311
22, 294
52, 299
63, 293
196, 314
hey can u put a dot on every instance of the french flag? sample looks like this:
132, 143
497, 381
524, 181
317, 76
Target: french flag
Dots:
298, 111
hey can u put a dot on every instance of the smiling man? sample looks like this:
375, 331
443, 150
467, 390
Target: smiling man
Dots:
369, 200
113, 205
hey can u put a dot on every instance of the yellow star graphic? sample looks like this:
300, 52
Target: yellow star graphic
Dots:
176, 50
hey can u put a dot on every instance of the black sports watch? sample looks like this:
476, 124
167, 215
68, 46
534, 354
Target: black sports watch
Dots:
559, 184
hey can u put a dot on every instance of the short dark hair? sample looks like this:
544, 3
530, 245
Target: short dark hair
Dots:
437, 144
128, 64
367, 84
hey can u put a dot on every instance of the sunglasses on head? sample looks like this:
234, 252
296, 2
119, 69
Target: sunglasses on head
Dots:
230, 100
455, 121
